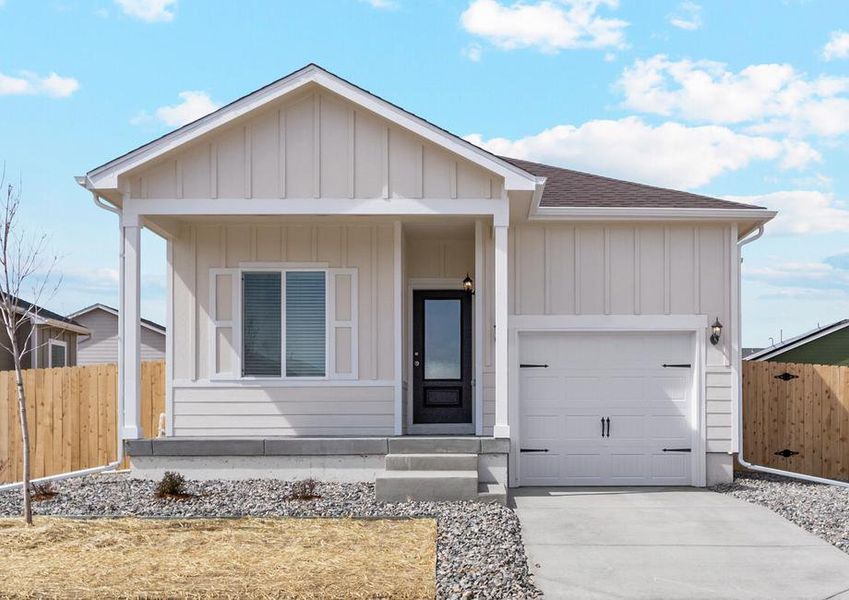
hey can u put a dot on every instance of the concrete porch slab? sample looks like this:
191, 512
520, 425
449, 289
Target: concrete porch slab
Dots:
670, 543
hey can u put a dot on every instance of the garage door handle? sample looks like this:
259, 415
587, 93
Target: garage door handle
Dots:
677, 449
678, 366
533, 450
532, 366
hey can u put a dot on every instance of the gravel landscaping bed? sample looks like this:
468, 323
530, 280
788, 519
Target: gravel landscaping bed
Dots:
820, 509
479, 549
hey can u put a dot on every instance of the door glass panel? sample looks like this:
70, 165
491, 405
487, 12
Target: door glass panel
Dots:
442, 339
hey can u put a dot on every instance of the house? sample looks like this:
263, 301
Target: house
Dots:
356, 293
828, 345
101, 345
50, 337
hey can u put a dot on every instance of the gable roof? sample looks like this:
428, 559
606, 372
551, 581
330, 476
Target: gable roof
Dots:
42, 316
799, 340
105, 176
147, 323
568, 188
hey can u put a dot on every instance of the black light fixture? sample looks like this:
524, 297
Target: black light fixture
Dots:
468, 284
715, 332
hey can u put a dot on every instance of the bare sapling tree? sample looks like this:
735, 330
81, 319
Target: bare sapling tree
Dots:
26, 267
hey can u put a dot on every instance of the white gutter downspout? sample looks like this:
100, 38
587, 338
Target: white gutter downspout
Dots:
740, 457
113, 465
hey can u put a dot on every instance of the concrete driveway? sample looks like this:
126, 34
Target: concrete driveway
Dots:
665, 543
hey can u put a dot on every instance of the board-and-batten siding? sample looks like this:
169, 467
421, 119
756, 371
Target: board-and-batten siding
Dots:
313, 145
267, 409
628, 270
102, 346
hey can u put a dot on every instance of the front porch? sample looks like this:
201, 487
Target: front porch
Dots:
418, 467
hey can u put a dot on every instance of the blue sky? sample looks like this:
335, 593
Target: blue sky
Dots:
726, 98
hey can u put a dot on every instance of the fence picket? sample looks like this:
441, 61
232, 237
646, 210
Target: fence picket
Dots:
72, 417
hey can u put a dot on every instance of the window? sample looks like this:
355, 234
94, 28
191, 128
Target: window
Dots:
57, 353
293, 301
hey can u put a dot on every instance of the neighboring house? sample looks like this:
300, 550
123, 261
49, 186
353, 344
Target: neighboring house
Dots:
101, 345
50, 338
746, 352
344, 276
827, 345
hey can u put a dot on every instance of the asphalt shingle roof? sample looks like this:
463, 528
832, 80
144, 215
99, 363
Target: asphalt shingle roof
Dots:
568, 188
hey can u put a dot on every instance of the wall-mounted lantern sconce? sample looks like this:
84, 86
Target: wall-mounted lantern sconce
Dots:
715, 332
468, 284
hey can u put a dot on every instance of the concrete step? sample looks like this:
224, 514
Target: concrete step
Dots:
431, 462
434, 445
492, 492
400, 486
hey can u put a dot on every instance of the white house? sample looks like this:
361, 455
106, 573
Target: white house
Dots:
353, 289
101, 345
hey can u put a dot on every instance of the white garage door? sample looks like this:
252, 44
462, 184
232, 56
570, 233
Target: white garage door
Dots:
602, 409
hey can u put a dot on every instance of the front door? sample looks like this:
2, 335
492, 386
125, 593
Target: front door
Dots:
442, 358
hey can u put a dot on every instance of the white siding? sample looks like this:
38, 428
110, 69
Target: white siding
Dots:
612, 269
366, 246
312, 145
102, 345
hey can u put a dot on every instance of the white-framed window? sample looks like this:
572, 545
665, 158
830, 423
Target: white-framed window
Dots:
57, 353
283, 322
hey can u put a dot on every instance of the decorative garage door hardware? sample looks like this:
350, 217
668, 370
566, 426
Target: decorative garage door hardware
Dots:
532, 366
678, 366
607, 421
533, 449
677, 449
786, 453
786, 376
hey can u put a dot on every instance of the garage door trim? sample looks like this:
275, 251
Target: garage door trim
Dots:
693, 324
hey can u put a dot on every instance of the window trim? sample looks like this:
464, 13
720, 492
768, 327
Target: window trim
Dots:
54, 342
238, 317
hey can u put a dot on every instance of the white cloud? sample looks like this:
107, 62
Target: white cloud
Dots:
766, 97
548, 25
28, 83
193, 105
837, 46
473, 52
150, 11
802, 211
688, 16
382, 4
670, 154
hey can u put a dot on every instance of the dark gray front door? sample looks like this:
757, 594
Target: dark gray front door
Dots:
442, 357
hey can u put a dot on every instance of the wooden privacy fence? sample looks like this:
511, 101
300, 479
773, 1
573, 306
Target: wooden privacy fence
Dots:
72, 415
796, 417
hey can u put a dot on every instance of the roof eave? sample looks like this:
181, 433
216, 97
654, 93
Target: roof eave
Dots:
636, 213
794, 343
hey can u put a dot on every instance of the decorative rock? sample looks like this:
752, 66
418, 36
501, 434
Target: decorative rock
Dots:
479, 546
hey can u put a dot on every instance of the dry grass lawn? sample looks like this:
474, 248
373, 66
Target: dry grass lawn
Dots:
218, 558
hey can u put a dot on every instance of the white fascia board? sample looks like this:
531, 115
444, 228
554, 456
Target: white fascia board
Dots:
771, 352
629, 213
106, 176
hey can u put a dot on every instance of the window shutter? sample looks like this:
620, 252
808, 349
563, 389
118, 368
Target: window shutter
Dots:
223, 310
342, 323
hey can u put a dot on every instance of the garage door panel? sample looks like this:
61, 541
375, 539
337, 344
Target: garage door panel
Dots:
598, 376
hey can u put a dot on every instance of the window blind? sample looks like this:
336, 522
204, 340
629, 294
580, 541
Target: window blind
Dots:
305, 324
261, 323
57, 355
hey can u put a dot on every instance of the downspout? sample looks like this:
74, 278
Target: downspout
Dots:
740, 457
120, 443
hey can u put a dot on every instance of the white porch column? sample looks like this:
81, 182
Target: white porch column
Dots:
129, 340
502, 426
398, 316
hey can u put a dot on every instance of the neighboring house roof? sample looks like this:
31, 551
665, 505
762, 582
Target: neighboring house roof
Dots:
42, 316
749, 351
146, 323
799, 340
565, 187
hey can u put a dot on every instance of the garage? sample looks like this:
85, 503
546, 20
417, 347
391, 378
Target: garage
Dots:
607, 409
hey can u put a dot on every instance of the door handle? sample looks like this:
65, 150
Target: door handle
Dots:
602, 427
416, 363
608, 426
